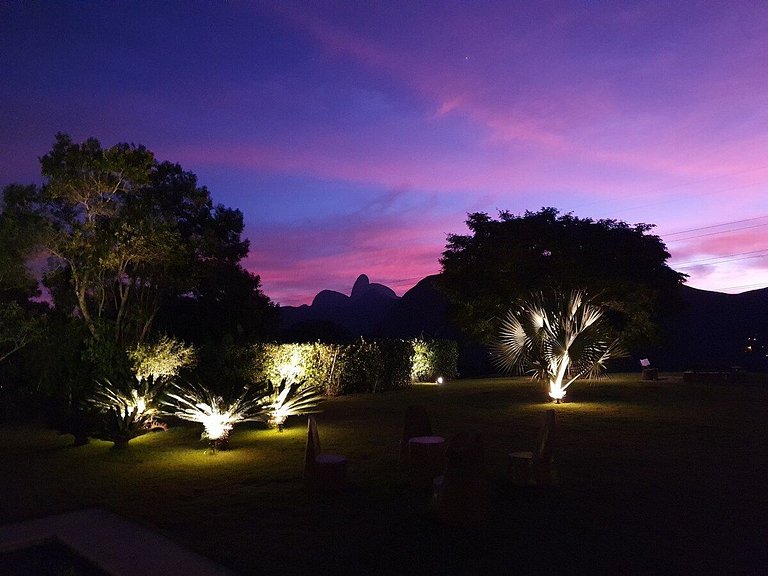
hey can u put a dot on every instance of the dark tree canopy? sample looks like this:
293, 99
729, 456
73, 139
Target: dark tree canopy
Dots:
505, 259
18, 239
129, 235
21, 320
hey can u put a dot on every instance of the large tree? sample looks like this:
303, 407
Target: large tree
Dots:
504, 259
20, 319
94, 245
128, 235
215, 296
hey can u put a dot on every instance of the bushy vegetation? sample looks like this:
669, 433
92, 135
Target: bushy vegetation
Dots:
504, 259
289, 398
134, 248
217, 414
433, 359
362, 366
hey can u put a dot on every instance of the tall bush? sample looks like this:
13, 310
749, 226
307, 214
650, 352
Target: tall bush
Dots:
433, 359
361, 366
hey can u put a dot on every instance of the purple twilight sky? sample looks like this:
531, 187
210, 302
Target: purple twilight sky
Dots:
355, 136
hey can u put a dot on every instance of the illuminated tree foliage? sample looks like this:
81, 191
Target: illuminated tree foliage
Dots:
557, 337
83, 204
504, 259
161, 360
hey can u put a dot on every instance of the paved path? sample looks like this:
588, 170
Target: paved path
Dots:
115, 545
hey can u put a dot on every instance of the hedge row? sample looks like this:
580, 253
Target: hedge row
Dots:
362, 366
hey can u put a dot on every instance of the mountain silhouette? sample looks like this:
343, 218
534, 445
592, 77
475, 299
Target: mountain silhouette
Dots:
359, 314
712, 330
709, 330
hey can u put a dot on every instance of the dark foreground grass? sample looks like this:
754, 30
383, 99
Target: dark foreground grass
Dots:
656, 478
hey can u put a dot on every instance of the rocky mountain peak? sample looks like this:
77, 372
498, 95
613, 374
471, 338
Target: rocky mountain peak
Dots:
361, 286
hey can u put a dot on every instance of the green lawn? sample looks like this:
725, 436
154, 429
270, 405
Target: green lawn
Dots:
656, 477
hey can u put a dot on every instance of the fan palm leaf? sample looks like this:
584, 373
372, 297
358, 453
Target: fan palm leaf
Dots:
557, 338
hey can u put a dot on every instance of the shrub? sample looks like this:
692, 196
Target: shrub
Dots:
397, 365
216, 414
289, 399
433, 358
126, 413
162, 359
362, 366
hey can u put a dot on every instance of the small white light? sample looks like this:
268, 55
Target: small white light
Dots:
439, 379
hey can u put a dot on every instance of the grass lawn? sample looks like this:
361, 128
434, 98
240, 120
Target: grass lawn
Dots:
656, 477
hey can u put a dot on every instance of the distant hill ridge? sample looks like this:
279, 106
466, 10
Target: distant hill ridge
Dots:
711, 329
372, 310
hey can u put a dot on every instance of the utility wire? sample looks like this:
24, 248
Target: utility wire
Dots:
723, 259
716, 233
716, 226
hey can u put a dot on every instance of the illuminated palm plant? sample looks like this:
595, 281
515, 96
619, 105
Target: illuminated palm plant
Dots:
217, 415
288, 399
129, 413
558, 338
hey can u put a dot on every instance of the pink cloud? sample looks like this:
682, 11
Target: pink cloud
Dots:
718, 245
664, 137
330, 254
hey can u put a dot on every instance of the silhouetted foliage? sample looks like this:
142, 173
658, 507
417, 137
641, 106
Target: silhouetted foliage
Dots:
503, 259
21, 320
129, 235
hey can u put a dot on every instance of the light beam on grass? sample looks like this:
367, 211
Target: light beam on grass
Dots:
558, 338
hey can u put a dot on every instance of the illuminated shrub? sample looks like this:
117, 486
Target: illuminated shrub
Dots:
322, 365
433, 359
289, 362
558, 338
129, 409
126, 412
161, 360
361, 366
289, 399
421, 365
325, 367
217, 415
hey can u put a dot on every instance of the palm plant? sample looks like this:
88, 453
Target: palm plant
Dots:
129, 413
288, 399
217, 415
559, 338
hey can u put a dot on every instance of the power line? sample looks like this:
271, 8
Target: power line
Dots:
717, 226
716, 233
722, 259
